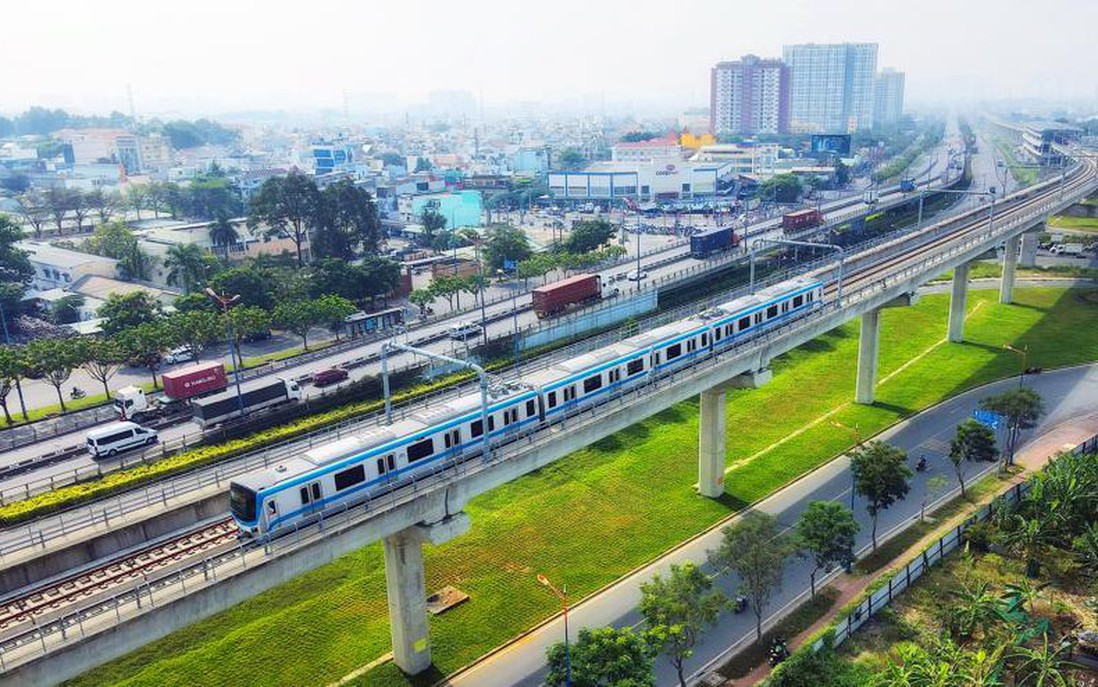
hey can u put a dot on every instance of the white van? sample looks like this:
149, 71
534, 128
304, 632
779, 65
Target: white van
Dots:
116, 437
464, 330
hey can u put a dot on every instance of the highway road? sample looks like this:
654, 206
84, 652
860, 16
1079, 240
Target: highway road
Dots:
1071, 395
503, 318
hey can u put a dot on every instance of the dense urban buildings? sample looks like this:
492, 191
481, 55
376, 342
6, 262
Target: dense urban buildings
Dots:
831, 87
749, 96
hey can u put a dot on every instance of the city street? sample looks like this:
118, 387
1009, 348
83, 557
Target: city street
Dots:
1070, 395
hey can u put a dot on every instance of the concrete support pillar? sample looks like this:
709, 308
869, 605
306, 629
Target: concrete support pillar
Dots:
868, 344
1028, 256
957, 303
406, 588
1010, 261
711, 425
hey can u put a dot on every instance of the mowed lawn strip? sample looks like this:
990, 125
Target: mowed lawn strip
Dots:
592, 517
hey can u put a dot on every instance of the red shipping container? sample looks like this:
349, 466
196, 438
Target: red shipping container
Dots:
556, 297
195, 380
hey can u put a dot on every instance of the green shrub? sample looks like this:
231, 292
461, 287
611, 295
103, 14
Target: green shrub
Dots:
979, 536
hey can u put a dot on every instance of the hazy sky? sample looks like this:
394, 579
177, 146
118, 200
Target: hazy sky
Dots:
202, 55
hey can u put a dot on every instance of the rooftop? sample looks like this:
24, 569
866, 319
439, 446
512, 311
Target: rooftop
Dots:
44, 253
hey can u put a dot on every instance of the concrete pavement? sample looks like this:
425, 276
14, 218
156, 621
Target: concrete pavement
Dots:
1070, 394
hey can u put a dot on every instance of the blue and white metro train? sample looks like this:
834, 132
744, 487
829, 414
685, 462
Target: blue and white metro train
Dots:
351, 470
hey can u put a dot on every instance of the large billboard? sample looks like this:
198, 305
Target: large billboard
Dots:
831, 144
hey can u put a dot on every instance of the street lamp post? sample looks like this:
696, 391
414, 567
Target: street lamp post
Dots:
226, 302
561, 594
1024, 352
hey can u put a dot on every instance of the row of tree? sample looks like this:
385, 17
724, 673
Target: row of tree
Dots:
137, 332
209, 196
680, 606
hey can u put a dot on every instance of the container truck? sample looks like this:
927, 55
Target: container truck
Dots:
705, 243
802, 219
555, 298
254, 396
180, 386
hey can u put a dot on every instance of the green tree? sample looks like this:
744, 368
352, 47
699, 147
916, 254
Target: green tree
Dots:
349, 223
588, 235
781, 188
1046, 665
186, 265
678, 609
103, 205
754, 550
247, 321
881, 476
136, 198
102, 360
125, 311
54, 360
66, 310
15, 268
842, 174
143, 345
826, 532
433, 222
537, 265
287, 206
13, 367
603, 657
35, 211
1020, 409
297, 317
255, 285
1029, 537
61, 201
331, 310
448, 287
421, 298
570, 159
223, 235
973, 441
504, 242
115, 240
196, 329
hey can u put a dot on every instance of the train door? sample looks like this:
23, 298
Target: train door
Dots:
311, 496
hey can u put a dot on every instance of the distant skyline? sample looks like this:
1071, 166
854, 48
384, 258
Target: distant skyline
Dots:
207, 57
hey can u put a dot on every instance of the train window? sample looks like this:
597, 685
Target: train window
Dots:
422, 449
491, 423
304, 492
531, 409
728, 329
552, 399
316, 490
691, 346
745, 322
634, 367
772, 311
354, 475
476, 428
614, 375
390, 459
272, 508
674, 351
798, 301
785, 306
758, 318
717, 334
592, 383
569, 393
380, 468
705, 338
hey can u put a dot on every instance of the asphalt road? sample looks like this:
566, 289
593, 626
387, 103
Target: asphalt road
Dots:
1070, 394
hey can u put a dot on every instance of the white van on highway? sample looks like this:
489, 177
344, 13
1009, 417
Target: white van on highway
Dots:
112, 439
464, 331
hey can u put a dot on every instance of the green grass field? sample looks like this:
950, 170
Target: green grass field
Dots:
1087, 224
592, 517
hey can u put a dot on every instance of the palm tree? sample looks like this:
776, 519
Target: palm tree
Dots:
186, 266
223, 234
